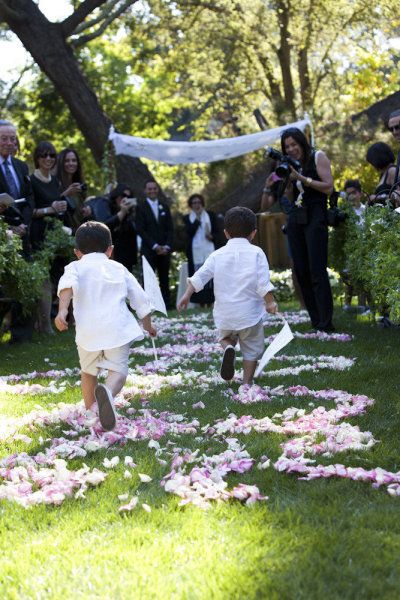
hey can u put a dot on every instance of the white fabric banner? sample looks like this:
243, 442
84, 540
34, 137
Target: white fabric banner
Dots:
152, 288
280, 341
176, 153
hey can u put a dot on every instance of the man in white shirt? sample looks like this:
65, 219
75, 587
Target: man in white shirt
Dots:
154, 226
105, 327
242, 290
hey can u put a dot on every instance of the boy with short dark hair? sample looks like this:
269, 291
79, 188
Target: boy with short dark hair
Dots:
105, 327
242, 290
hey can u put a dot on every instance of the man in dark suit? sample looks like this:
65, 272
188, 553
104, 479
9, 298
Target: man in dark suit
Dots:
14, 181
154, 225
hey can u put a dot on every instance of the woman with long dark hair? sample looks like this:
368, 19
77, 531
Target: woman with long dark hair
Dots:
73, 188
309, 186
307, 226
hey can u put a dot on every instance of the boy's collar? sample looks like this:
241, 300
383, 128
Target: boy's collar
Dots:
94, 256
238, 240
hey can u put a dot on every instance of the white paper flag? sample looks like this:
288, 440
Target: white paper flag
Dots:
281, 340
152, 288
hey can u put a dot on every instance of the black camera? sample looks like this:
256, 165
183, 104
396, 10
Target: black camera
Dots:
285, 162
83, 187
335, 215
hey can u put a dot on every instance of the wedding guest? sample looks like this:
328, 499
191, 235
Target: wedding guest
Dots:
73, 187
381, 157
200, 226
154, 225
14, 181
48, 203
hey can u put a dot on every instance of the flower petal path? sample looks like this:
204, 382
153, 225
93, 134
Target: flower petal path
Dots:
194, 476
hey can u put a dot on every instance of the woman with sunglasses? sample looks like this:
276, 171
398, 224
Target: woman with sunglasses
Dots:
47, 202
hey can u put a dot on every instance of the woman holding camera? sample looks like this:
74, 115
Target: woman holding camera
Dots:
69, 174
308, 187
123, 226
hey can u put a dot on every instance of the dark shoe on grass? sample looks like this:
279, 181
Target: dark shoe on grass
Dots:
228, 364
105, 403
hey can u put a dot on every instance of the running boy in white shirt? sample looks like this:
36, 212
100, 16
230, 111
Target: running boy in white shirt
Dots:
242, 291
105, 327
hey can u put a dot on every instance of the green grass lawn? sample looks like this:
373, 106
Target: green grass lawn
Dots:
322, 539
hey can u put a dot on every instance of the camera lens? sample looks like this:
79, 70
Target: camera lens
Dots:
282, 170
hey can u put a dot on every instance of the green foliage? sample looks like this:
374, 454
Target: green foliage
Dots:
370, 252
22, 280
19, 280
338, 236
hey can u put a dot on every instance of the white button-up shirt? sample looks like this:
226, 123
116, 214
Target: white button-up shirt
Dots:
100, 288
154, 207
241, 280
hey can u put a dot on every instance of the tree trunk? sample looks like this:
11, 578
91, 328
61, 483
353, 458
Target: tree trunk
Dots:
46, 43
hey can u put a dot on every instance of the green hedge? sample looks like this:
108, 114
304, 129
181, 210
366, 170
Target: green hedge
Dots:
22, 280
371, 253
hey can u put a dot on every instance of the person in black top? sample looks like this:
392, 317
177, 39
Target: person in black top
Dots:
117, 211
307, 228
381, 157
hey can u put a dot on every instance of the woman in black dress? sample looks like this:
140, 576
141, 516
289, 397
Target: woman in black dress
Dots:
48, 202
201, 228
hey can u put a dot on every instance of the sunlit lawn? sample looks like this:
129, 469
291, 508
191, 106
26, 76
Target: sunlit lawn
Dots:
320, 539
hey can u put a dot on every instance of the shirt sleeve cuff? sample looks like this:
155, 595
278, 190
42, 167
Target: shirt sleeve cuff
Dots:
66, 283
262, 290
154, 246
196, 282
144, 309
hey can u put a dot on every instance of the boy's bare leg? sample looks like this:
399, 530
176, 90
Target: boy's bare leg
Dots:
88, 383
227, 342
115, 382
249, 367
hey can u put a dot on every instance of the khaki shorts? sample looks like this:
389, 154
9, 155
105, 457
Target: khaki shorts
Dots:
113, 359
251, 340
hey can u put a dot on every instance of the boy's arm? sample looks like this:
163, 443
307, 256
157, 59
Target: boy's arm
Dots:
138, 299
147, 325
184, 301
65, 297
270, 303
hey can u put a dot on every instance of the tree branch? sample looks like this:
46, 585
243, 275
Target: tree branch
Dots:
14, 85
88, 24
9, 14
83, 39
79, 15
